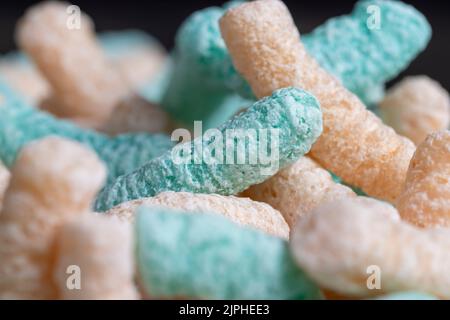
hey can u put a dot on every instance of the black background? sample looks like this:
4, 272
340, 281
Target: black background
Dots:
161, 18
368, 309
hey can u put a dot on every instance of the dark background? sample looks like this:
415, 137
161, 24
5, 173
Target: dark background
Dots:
161, 18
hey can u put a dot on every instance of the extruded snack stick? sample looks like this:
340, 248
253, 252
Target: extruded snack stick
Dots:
264, 44
193, 94
297, 189
207, 256
86, 87
370, 46
241, 211
42, 194
101, 249
138, 56
81, 77
416, 107
340, 242
425, 200
209, 53
292, 113
21, 124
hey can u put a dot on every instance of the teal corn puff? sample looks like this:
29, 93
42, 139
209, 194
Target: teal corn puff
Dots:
201, 66
370, 46
200, 41
407, 296
185, 102
205, 256
292, 114
21, 124
187, 97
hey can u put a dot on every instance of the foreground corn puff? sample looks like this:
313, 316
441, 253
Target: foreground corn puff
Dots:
264, 44
52, 181
241, 211
208, 257
352, 248
425, 200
